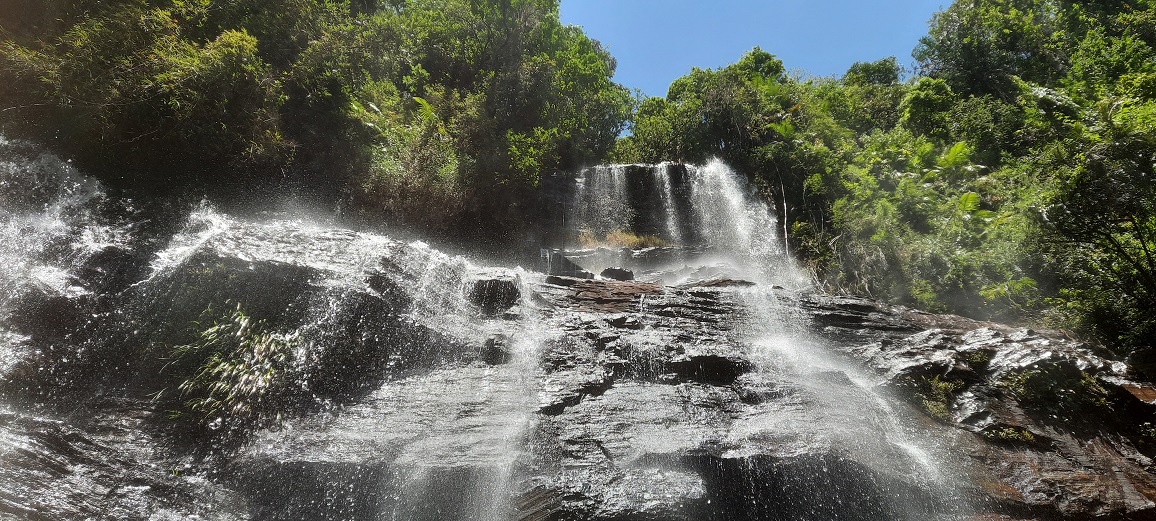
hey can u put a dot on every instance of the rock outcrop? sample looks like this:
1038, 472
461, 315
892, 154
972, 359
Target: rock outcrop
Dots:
424, 387
1062, 430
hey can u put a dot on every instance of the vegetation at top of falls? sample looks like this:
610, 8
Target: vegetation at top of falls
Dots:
438, 113
621, 239
1010, 175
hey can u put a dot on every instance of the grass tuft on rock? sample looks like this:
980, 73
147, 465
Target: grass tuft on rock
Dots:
235, 375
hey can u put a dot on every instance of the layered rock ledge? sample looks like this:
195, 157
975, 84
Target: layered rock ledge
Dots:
429, 388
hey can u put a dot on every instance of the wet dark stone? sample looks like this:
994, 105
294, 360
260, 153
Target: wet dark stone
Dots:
43, 312
561, 266
801, 488
562, 281
720, 283
617, 274
496, 350
712, 369
625, 322
113, 268
1042, 406
111, 468
495, 294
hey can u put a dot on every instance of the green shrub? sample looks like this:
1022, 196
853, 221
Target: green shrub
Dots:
236, 375
932, 394
1058, 391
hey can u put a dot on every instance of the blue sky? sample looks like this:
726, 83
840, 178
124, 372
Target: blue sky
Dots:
656, 41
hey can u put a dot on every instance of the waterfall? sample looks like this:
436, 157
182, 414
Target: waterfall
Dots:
846, 407
602, 205
375, 378
730, 231
430, 435
730, 217
663, 174
709, 214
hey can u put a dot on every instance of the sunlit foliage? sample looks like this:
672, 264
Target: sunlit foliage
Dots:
1011, 177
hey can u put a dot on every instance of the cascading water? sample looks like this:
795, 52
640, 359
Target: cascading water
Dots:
51, 225
424, 437
673, 221
708, 214
731, 218
839, 405
377, 326
848, 409
48, 225
367, 378
602, 203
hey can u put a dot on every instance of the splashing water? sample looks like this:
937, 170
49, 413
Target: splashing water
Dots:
49, 224
709, 213
712, 207
730, 217
441, 429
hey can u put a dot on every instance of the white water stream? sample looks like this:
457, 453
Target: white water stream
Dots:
843, 407
458, 428
463, 427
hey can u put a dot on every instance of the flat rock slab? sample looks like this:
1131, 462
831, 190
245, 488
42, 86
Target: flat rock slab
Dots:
107, 468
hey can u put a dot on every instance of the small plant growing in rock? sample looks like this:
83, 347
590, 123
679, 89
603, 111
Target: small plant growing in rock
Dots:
1010, 434
1059, 391
977, 358
239, 372
933, 394
1147, 430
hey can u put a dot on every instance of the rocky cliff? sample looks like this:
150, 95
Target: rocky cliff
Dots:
417, 385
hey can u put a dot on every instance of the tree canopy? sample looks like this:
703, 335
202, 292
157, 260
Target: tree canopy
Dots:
441, 113
1010, 177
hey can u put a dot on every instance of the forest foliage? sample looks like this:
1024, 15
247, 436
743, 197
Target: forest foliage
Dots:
1009, 177
436, 113
1009, 173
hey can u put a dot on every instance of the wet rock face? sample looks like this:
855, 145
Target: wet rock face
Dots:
101, 467
1063, 432
427, 388
494, 292
617, 274
640, 402
654, 408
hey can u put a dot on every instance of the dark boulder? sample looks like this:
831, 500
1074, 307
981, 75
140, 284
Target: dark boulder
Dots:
494, 292
617, 274
496, 350
562, 266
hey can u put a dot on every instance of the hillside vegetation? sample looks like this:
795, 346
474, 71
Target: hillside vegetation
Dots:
436, 113
1009, 176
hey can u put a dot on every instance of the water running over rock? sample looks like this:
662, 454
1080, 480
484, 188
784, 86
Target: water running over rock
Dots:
271, 368
678, 223
822, 406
